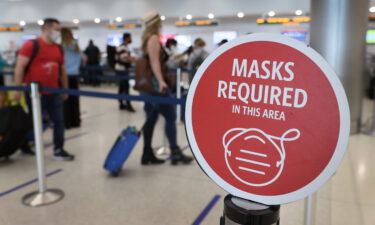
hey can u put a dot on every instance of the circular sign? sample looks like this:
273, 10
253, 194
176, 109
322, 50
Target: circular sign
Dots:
267, 118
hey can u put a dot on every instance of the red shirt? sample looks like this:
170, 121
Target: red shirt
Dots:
45, 67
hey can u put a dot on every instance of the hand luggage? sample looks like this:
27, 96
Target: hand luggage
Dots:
14, 127
121, 150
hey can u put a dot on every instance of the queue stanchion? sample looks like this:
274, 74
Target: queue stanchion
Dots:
178, 93
239, 211
371, 130
43, 196
309, 209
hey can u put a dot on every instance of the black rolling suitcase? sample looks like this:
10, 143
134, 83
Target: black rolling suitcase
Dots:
14, 127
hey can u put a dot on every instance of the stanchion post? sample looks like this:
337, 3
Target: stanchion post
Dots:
43, 196
178, 87
371, 129
239, 211
309, 210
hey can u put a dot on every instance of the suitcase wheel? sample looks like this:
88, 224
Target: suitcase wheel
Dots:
115, 173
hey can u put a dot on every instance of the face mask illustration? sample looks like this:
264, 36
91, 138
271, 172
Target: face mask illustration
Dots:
254, 157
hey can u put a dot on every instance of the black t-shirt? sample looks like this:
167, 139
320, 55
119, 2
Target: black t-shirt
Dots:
93, 55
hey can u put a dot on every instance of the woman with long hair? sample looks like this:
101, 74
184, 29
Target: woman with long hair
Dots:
156, 58
72, 56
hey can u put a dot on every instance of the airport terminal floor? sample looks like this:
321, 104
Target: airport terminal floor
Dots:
161, 194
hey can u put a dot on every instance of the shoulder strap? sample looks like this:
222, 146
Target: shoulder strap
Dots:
35, 49
33, 54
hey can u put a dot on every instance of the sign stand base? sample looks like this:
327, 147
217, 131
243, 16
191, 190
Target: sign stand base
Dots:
36, 199
239, 211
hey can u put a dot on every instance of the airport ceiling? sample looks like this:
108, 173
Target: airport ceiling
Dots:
13, 11
66, 10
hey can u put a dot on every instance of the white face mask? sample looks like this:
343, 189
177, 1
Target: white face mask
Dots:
173, 49
56, 36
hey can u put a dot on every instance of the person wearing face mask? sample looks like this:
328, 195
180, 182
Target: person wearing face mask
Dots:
155, 83
42, 61
124, 61
197, 57
174, 59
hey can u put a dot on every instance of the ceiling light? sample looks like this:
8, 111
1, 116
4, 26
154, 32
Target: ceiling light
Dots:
372, 9
240, 15
97, 20
22, 23
162, 18
40, 22
211, 16
299, 12
271, 13
118, 19
76, 21
189, 16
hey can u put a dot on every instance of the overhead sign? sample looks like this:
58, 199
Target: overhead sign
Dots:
276, 20
267, 118
125, 26
11, 29
197, 23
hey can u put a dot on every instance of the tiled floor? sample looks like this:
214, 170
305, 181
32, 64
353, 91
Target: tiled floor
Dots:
164, 194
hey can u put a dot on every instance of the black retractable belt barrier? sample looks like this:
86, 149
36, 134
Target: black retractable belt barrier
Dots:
239, 211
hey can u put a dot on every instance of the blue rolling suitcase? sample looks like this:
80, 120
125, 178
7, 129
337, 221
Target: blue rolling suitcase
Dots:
121, 150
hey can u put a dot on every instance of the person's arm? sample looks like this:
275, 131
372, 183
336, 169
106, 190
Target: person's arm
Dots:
99, 56
84, 59
64, 80
19, 73
153, 50
2, 98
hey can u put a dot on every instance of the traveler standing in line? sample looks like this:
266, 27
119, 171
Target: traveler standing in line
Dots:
155, 57
124, 61
174, 59
197, 57
73, 58
92, 62
47, 67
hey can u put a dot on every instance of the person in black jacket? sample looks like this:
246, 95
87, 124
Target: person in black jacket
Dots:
92, 62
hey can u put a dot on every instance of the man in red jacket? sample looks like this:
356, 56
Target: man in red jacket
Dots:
46, 66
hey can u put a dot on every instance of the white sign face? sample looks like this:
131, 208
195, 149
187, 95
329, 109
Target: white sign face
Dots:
267, 118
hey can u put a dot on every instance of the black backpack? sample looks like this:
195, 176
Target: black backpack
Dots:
15, 125
111, 56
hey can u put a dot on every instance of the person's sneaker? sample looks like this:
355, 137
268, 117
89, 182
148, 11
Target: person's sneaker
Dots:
129, 108
26, 150
63, 155
122, 107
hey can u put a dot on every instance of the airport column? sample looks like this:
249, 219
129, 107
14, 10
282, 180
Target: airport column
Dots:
337, 32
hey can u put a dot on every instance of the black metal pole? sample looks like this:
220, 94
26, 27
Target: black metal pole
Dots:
239, 211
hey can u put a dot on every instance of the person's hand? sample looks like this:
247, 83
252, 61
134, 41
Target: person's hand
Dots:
162, 86
17, 96
64, 97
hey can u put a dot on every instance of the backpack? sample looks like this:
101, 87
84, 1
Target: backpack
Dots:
14, 127
111, 56
33, 54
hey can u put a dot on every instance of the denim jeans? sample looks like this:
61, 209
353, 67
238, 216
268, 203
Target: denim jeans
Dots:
152, 113
53, 105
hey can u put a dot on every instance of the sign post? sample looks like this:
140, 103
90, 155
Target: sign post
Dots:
267, 119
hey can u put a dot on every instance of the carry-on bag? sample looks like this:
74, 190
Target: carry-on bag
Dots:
15, 124
121, 150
